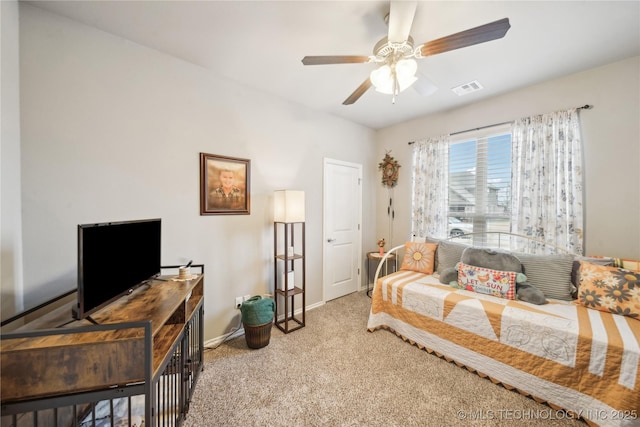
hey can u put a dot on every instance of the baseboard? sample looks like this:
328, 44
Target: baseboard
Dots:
215, 342
309, 307
316, 305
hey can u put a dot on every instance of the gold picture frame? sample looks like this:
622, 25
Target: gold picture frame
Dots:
224, 185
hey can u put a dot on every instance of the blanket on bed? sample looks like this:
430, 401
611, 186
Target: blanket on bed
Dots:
585, 361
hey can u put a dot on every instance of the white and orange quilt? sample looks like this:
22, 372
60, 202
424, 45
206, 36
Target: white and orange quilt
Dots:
582, 360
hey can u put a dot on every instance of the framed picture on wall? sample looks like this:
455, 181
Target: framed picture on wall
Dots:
224, 185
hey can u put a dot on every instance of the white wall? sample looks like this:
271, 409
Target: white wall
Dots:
611, 137
112, 131
11, 223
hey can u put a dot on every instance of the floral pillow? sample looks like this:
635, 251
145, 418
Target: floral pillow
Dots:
419, 257
487, 281
610, 289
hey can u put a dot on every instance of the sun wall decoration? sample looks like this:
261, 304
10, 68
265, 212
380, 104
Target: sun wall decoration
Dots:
390, 170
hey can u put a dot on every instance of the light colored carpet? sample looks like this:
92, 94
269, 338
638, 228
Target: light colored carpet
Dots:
334, 372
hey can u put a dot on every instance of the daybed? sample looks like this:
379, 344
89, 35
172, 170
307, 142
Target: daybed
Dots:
582, 360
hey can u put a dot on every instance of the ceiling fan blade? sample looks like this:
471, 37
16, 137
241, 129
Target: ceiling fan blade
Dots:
358, 92
401, 16
424, 86
483, 33
344, 59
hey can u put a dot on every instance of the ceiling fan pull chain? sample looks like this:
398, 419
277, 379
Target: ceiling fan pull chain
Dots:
396, 88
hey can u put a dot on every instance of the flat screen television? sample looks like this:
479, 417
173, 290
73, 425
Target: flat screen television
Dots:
114, 258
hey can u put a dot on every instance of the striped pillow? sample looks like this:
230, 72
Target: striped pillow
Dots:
550, 273
629, 264
448, 255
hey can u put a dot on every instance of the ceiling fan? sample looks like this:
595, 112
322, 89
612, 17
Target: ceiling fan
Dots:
396, 53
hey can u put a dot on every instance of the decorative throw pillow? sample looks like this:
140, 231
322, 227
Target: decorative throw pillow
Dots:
487, 281
448, 254
575, 270
549, 273
419, 257
611, 289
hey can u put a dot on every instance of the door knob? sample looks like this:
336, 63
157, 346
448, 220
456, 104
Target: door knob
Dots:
331, 240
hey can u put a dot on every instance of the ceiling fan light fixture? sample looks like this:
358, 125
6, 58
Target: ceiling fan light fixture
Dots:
395, 53
382, 79
385, 77
406, 70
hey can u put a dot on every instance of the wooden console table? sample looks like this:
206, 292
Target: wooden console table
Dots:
147, 346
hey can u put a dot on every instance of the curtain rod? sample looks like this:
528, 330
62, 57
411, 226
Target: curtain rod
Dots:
584, 107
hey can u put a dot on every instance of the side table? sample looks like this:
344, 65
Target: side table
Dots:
375, 256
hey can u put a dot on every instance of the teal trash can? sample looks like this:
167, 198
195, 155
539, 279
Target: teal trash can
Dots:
257, 319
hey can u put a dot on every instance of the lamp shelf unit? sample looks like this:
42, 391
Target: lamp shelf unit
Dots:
288, 265
289, 258
290, 292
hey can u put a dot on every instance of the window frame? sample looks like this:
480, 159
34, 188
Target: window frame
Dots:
479, 219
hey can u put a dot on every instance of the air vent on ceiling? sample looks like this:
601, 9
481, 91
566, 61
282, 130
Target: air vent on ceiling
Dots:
466, 88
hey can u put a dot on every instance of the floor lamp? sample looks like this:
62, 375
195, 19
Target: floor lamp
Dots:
288, 214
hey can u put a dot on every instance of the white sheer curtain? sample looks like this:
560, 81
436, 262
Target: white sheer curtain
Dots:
546, 179
430, 174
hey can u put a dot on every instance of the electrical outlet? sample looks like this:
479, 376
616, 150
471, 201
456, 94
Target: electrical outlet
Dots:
246, 297
238, 302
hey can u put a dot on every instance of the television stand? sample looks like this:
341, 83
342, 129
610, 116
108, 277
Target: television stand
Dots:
75, 313
90, 319
141, 358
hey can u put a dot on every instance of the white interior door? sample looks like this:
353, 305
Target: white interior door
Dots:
342, 234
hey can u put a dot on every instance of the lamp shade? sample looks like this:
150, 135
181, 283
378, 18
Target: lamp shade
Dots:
406, 70
288, 206
383, 78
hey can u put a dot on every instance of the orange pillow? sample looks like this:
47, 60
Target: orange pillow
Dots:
610, 289
419, 257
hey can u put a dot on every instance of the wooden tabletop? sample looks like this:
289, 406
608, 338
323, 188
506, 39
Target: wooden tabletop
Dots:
376, 255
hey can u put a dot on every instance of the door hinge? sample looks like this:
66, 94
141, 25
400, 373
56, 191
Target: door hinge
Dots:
358, 271
358, 227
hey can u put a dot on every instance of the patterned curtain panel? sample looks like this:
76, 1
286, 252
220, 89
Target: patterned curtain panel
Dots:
430, 187
547, 181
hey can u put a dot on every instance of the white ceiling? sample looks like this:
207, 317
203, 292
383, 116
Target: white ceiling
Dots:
261, 44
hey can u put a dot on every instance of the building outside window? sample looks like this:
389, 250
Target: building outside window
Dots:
479, 186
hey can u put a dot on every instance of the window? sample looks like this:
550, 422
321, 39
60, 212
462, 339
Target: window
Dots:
479, 185
523, 177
